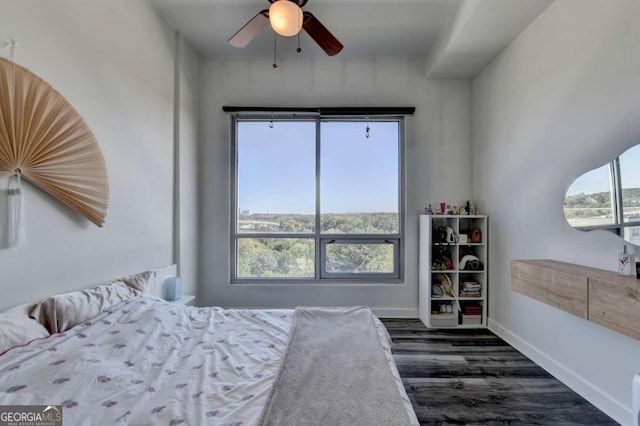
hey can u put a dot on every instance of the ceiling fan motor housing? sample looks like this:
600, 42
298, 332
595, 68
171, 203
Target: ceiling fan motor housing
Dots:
285, 18
300, 3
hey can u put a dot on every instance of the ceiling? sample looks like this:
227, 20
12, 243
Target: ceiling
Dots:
448, 33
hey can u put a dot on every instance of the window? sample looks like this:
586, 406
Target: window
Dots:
608, 197
588, 200
317, 199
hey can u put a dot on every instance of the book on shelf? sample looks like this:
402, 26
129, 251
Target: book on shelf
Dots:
471, 285
470, 289
471, 309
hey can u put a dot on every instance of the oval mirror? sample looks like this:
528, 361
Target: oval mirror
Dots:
608, 197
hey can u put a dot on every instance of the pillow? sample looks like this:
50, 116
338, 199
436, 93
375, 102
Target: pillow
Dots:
16, 328
143, 282
61, 312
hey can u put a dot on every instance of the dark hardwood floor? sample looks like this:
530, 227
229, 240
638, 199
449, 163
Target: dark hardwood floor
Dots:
474, 377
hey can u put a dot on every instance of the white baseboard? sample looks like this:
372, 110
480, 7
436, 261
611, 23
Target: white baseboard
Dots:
395, 312
610, 406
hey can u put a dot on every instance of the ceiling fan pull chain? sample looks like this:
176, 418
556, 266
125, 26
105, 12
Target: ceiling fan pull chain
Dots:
299, 49
275, 63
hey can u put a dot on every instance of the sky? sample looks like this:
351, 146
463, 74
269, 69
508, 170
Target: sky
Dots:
276, 167
598, 180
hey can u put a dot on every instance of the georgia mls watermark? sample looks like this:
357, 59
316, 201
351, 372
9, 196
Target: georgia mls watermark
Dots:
30, 415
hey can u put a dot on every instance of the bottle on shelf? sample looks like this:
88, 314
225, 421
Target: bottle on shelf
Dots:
624, 262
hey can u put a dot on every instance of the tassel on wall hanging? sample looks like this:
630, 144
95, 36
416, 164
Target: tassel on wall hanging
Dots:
44, 141
16, 227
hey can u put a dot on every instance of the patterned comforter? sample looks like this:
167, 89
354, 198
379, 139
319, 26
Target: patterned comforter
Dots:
147, 361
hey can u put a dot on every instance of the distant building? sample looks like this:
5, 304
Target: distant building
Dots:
258, 226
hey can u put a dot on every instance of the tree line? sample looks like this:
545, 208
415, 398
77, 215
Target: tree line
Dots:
295, 257
598, 203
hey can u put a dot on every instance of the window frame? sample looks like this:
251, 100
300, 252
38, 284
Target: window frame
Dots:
320, 239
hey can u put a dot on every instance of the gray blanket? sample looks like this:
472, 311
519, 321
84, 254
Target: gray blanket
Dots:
334, 372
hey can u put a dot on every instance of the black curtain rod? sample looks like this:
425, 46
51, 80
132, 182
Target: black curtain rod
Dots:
327, 110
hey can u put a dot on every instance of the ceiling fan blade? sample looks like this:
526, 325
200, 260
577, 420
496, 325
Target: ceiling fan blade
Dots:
251, 29
321, 35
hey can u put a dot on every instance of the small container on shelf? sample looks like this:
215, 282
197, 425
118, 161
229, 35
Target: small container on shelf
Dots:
470, 319
444, 320
624, 262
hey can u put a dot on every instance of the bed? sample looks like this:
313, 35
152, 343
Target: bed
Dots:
143, 360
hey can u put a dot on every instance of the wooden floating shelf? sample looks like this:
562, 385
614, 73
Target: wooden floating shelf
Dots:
603, 297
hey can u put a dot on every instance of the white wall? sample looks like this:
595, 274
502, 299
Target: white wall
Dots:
113, 61
438, 160
561, 100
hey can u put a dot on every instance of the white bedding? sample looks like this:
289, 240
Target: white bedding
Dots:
146, 361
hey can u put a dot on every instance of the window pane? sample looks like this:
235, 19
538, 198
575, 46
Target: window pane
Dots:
632, 233
276, 257
276, 176
359, 177
588, 200
630, 178
359, 258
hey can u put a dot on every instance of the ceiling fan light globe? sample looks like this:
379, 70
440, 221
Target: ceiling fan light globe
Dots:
285, 18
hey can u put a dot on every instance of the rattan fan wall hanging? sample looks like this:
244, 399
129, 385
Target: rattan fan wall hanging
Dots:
44, 140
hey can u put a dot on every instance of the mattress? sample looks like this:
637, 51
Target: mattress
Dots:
147, 361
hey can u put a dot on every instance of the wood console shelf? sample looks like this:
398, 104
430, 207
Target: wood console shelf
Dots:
600, 296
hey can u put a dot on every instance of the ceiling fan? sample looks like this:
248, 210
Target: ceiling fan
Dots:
287, 19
